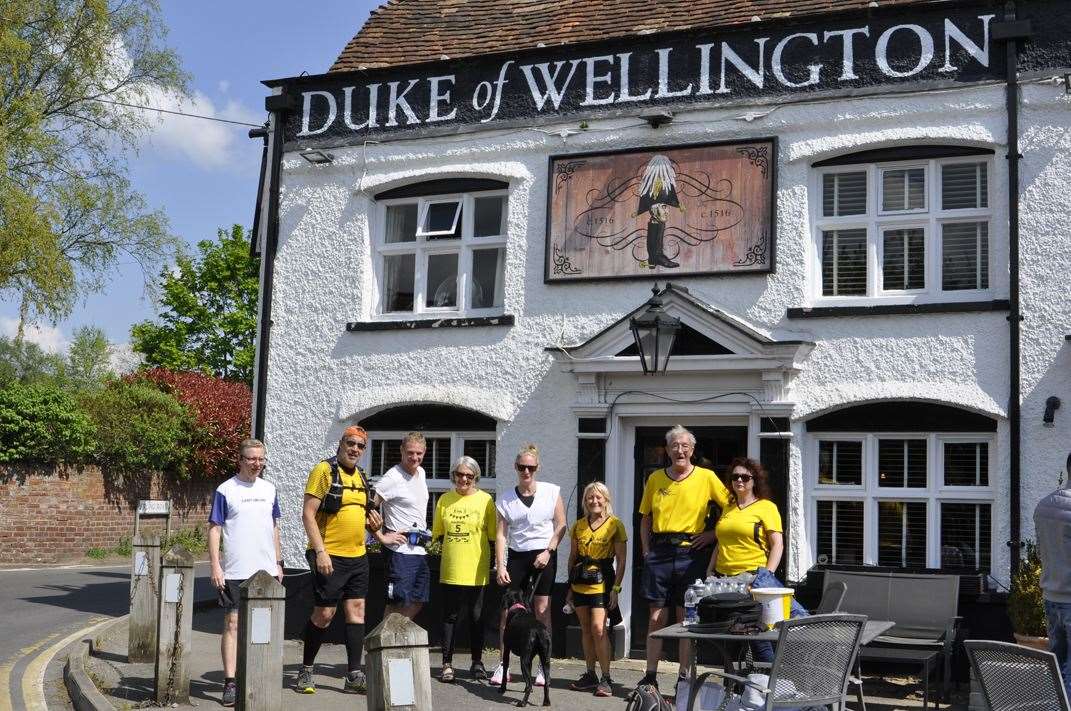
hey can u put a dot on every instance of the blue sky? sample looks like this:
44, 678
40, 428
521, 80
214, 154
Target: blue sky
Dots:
203, 174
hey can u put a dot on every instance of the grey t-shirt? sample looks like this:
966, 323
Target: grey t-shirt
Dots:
1052, 526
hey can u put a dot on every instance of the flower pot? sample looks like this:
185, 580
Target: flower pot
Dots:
1026, 640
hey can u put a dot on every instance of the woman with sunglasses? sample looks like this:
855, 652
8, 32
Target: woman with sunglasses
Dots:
750, 535
465, 522
531, 521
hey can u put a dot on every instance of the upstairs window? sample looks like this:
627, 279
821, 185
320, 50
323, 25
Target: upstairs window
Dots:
443, 253
913, 229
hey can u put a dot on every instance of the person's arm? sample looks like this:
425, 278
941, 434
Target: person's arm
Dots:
645, 534
573, 555
500, 552
620, 557
437, 528
543, 559
308, 519
214, 532
777, 549
387, 538
278, 550
712, 565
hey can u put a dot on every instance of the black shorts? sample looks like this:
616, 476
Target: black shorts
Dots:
348, 580
589, 599
522, 572
230, 595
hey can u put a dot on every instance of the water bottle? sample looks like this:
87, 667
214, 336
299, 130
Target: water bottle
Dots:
691, 604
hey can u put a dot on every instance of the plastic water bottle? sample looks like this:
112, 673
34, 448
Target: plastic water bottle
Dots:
691, 604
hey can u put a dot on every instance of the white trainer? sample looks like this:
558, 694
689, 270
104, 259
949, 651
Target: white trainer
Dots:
496, 678
540, 681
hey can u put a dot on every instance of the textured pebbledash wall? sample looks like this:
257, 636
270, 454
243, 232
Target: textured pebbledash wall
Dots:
54, 515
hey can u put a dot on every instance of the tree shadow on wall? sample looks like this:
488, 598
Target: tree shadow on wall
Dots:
123, 490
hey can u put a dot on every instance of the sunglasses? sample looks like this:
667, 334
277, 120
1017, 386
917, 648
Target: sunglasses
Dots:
526, 467
464, 475
741, 477
358, 444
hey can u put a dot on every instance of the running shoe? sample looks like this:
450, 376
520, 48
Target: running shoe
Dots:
605, 687
586, 682
304, 683
355, 681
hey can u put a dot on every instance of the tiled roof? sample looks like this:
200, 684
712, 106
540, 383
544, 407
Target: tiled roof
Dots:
412, 31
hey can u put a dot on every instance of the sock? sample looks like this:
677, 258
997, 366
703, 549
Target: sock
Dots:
229, 680
354, 644
313, 637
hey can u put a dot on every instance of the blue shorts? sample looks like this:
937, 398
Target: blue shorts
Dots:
668, 570
408, 577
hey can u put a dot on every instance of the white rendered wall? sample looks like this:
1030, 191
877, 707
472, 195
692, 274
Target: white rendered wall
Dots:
321, 377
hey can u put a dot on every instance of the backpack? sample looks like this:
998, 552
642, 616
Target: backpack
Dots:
332, 501
645, 697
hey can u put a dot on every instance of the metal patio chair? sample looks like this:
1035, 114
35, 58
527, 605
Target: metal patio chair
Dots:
1017, 678
814, 658
832, 597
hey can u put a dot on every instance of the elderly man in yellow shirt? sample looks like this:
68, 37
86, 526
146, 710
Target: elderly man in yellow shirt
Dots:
674, 509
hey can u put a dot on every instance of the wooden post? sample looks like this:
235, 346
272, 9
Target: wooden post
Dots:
144, 598
399, 669
174, 627
260, 644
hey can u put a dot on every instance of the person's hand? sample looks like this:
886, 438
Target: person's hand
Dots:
279, 573
613, 599
218, 581
393, 538
502, 576
704, 539
323, 563
541, 560
373, 520
569, 596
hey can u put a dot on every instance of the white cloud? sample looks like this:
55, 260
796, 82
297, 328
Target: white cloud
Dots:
224, 86
50, 338
123, 359
208, 144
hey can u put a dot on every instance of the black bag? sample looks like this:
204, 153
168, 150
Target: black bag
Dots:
332, 501
586, 571
646, 698
718, 613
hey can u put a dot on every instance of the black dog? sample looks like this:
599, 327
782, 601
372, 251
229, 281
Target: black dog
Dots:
525, 636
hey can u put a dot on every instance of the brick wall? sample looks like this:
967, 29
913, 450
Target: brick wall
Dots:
55, 515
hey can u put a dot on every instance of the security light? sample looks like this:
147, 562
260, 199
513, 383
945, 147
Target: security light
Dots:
317, 157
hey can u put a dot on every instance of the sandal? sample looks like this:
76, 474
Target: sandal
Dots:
446, 676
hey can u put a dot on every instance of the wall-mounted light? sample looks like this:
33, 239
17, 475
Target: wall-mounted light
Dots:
1067, 83
317, 157
654, 331
655, 119
1051, 406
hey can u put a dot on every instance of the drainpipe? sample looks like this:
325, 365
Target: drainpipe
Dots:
1009, 32
278, 105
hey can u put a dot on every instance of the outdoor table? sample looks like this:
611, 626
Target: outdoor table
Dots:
871, 630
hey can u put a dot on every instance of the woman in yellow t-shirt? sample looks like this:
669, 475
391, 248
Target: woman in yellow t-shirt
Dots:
596, 556
465, 522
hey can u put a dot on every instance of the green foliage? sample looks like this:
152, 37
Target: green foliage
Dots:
124, 547
88, 359
41, 423
195, 540
67, 210
139, 428
24, 362
209, 315
98, 553
1026, 605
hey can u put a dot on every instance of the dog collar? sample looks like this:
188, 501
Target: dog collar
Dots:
517, 606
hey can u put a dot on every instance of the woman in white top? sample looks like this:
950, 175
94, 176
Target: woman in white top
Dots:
531, 519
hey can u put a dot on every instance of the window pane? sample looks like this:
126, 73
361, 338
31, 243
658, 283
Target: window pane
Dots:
840, 463
385, 454
843, 262
437, 458
398, 282
904, 259
965, 536
840, 532
902, 462
483, 451
902, 534
442, 281
443, 217
965, 255
486, 274
966, 464
401, 223
490, 216
964, 185
844, 194
903, 189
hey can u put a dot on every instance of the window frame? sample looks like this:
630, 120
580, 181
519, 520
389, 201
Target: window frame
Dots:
933, 495
876, 222
425, 245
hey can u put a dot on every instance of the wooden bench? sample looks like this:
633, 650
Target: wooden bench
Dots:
922, 606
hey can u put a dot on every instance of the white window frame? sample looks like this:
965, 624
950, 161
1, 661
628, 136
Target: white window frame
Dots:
876, 222
425, 245
934, 494
457, 448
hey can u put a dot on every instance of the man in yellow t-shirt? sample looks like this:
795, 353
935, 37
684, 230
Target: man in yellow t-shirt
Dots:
336, 555
672, 536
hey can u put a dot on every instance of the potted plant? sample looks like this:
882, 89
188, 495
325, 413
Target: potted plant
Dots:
1026, 607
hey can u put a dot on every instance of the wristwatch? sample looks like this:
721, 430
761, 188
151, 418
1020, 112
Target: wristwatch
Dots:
616, 588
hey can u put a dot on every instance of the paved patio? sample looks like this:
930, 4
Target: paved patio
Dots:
129, 686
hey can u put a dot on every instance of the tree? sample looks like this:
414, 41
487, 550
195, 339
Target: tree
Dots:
209, 318
88, 358
23, 362
67, 210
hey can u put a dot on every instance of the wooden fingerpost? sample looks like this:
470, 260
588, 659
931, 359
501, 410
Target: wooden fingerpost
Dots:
144, 598
174, 627
260, 644
399, 669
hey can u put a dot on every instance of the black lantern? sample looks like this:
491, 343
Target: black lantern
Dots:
654, 331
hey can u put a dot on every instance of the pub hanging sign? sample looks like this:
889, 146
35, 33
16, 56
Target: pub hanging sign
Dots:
940, 43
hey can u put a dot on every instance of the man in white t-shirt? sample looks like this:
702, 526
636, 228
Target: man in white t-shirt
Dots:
403, 493
245, 514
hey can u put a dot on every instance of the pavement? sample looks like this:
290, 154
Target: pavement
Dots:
130, 686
